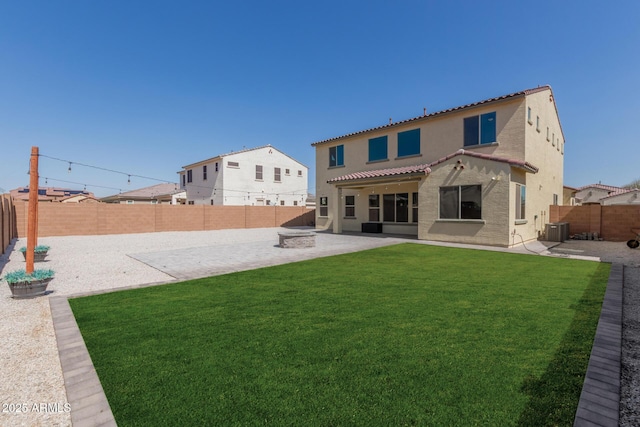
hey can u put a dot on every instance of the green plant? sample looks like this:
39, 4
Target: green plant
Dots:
38, 249
402, 335
21, 276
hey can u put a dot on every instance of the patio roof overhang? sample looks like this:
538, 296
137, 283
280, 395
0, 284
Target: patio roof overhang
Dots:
417, 172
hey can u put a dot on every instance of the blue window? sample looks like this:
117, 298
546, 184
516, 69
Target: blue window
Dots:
378, 148
480, 129
409, 143
336, 156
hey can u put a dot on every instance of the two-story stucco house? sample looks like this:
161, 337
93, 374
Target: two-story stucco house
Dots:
482, 173
259, 176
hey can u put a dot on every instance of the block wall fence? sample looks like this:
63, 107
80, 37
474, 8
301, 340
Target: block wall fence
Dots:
613, 223
75, 219
8, 229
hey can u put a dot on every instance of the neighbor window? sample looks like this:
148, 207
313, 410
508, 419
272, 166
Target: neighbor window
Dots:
395, 207
409, 143
259, 172
204, 172
414, 207
461, 202
299, 173
336, 156
216, 166
538, 123
184, 180
529, 116
295, 203
480, 129
547, 133
521, 198
378, 148
374, 207
281, 202
189, 175
233, 164
286, 171
350, 206
324, 206
276, 174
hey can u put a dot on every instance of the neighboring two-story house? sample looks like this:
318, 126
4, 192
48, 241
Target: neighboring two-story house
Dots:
482, 173
259, 176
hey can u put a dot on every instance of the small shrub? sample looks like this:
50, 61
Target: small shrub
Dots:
38, 249
19, 276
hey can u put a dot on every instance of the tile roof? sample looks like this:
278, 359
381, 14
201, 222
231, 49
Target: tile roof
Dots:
486, 101
426, 168
601, 187
244, 150
149, 192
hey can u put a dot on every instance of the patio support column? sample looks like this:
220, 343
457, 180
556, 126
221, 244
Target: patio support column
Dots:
32, 213
336, 204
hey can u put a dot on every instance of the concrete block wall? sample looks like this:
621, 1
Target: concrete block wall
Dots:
613, 223
59, 219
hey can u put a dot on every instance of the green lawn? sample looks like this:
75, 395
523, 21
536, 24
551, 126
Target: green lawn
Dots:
401, 335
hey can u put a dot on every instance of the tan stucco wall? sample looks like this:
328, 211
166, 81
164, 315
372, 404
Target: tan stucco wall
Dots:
443, 135
493, 229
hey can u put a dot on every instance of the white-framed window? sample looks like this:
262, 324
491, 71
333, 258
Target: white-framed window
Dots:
350, 206
189, 175
299, 173
277, 174
529, 116
520, 201
374, 207
324, 206
461, 202
295, 203
259, 172
233, 164
395, 207
184, 180
287, 172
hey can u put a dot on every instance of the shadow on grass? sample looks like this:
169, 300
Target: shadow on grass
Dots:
553, 398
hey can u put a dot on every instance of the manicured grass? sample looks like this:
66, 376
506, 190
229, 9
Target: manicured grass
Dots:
402, 335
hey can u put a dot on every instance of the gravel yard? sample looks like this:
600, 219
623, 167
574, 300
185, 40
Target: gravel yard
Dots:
32, 385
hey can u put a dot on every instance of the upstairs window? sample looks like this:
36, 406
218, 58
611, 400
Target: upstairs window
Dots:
189, 175
336, 156
259, 172
277, 174
480, 129
378, 149
286, 172
184, 180
409, 143
299, 173
204, 172
233, 164
216, 166
529, 116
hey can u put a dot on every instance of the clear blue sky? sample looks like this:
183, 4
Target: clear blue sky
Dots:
145, 87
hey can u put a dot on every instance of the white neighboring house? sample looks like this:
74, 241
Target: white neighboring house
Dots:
595, 193
166, 193
261, 176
